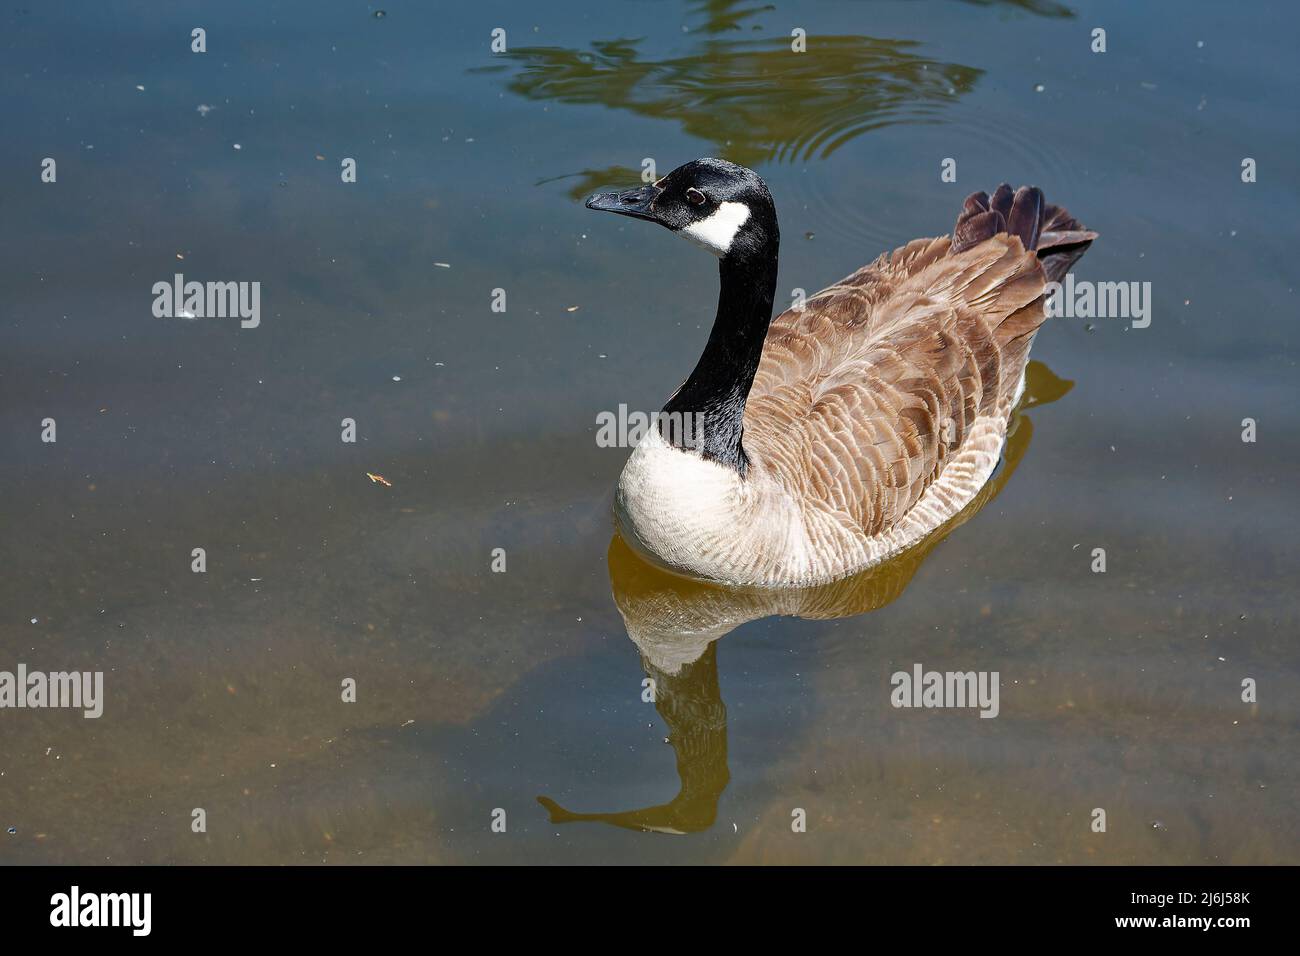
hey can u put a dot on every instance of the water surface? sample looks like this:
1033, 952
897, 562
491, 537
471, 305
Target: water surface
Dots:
480, 691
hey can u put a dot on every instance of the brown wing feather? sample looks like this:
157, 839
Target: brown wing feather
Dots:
864, 394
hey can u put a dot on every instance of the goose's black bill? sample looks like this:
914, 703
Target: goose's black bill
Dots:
632, 202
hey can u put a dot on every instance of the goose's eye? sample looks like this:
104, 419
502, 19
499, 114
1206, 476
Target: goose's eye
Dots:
694, 197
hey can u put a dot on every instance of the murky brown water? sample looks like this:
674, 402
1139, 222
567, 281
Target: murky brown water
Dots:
478, 691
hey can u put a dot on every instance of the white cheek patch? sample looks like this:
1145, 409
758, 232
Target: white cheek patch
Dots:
718, 231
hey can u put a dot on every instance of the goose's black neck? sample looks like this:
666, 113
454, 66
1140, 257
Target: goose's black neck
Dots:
714, 395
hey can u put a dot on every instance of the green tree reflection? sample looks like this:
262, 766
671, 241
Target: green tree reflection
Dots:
752, 98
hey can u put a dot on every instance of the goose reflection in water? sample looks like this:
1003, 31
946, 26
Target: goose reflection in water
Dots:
675, 623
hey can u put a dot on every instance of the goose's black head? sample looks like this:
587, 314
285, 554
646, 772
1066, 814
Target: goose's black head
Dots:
726, 209
718, 205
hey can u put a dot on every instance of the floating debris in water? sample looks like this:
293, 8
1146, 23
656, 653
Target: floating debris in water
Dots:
379, 480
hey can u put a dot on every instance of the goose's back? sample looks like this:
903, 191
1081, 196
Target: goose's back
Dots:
896, 380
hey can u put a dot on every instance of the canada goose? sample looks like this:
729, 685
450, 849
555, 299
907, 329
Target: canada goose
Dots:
837, 434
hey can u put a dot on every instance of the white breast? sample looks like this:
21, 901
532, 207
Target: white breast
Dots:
702, 519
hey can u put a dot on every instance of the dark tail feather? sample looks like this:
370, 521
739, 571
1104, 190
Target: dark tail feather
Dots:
1026, 215
1058, 260
1061, 242
1057, 237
